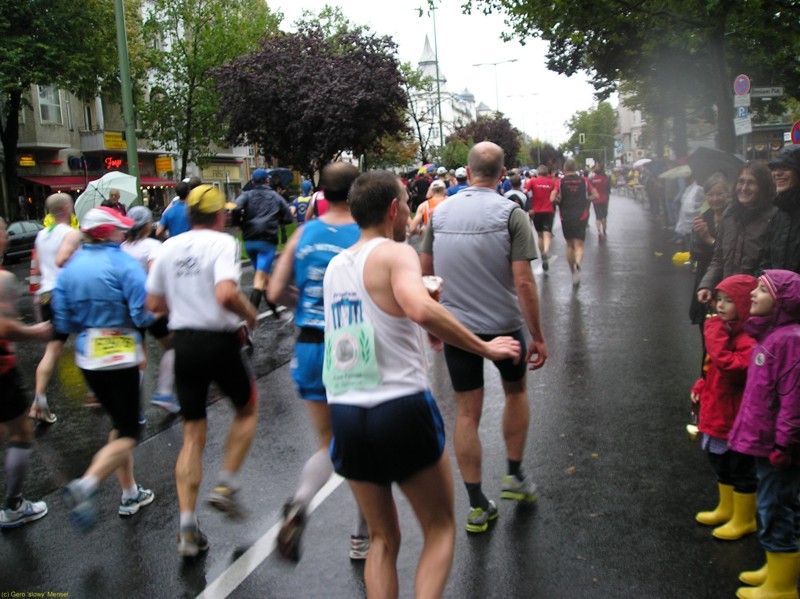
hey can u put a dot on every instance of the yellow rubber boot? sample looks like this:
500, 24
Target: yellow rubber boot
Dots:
724, 510
743, 521
754, 577
783, 570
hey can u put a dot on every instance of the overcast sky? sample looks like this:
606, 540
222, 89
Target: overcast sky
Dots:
464, 41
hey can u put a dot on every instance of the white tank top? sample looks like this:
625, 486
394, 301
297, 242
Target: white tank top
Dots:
48, 241
399, 352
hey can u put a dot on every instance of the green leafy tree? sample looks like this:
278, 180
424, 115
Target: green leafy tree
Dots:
597, 126
495, 128
688, 51
308, 96
39, 44
421, 113
191, 38
455, 152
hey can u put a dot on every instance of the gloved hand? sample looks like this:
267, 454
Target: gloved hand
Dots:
780, 457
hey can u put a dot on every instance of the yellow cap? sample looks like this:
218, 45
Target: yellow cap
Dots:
206, 199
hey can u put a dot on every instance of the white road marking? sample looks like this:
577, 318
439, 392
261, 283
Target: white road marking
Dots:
238, 571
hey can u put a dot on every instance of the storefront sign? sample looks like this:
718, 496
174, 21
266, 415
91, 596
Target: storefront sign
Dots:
27, 160
222, 172
164, 164
112, 163
112, 140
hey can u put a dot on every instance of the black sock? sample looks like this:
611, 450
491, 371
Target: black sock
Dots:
272, 307
476, 496
515, 468
255, 297
13, 503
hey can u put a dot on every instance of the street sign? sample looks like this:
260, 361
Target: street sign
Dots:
741, 85
742, 112
796, 133
743, 126
741, 100
770, 91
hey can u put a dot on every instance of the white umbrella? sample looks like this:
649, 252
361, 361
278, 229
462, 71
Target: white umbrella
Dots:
677, 172
97, 192
641, 162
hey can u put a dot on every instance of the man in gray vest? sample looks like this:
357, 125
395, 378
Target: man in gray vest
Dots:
482, 246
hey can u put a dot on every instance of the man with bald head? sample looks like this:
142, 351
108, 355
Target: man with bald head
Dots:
482, 247
54, 246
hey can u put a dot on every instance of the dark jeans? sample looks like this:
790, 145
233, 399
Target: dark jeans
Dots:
735, 469
778, 506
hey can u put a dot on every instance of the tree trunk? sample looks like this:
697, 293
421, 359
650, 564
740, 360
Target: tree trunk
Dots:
726, 136
680, 142
10, 136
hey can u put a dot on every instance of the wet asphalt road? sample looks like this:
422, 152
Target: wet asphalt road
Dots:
620, 483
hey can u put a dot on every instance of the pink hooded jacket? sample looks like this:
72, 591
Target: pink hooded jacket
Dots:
770, 412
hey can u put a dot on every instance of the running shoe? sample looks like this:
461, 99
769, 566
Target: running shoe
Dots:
223, 498
129, 507
519, 490
166, 401
576, 276
27, 511
82, 514
545, 262
294, 521
192, 542
282, 315
478, 519
359, 547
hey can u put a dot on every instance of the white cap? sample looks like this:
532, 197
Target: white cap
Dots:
441, 171
438, 184
461, 173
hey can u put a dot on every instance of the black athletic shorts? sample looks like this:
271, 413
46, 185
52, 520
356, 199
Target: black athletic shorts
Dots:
14, 398
574, 229
466, 369
46, 310
600, 210
203, 357
389, 442
543, 222
118, 393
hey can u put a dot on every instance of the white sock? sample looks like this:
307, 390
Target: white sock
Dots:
131, 493
166, 373
41, 401
88, 485
188, 520
316, 472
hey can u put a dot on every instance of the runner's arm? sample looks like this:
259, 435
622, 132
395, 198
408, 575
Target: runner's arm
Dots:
69, 246
282, 275
229, 297
417, 304
528, 295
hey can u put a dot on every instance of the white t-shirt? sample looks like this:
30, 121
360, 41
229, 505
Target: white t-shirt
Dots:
143, 250
186, 271
48, 242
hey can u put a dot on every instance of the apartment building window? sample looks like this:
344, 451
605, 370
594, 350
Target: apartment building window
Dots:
49, 105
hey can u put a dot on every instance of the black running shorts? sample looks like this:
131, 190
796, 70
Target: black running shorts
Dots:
14, 399
203, 357
574, 229
466, 369
118, 393
543, 222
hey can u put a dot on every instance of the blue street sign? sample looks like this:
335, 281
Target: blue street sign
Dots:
742, 112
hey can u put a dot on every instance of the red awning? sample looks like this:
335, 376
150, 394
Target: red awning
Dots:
149, 180
59, 183
79, 184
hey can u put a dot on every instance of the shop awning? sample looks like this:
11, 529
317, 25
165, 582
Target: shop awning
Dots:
59, 183
151, 181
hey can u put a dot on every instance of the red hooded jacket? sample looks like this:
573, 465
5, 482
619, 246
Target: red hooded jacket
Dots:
728, 349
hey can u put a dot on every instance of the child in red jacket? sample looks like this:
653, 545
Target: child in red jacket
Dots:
719, 394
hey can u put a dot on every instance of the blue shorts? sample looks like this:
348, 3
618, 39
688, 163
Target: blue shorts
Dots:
466, 369
261, 254
388, 443
307, 370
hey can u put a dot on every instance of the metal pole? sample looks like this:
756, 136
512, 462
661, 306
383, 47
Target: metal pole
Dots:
438, 87
127, 98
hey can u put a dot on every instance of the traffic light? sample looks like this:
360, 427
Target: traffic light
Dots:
581, 138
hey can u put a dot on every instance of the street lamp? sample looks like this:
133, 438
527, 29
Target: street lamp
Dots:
494, 64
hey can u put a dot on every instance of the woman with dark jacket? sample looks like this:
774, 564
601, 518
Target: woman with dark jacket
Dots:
742, 232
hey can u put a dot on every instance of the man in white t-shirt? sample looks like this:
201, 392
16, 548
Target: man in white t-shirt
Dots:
54, 246
196, 279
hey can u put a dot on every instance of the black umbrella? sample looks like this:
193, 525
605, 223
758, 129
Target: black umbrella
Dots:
704, 162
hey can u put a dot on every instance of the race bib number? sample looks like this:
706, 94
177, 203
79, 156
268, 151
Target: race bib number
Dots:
110, 348
350, 359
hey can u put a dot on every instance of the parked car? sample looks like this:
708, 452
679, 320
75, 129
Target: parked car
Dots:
21, 238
